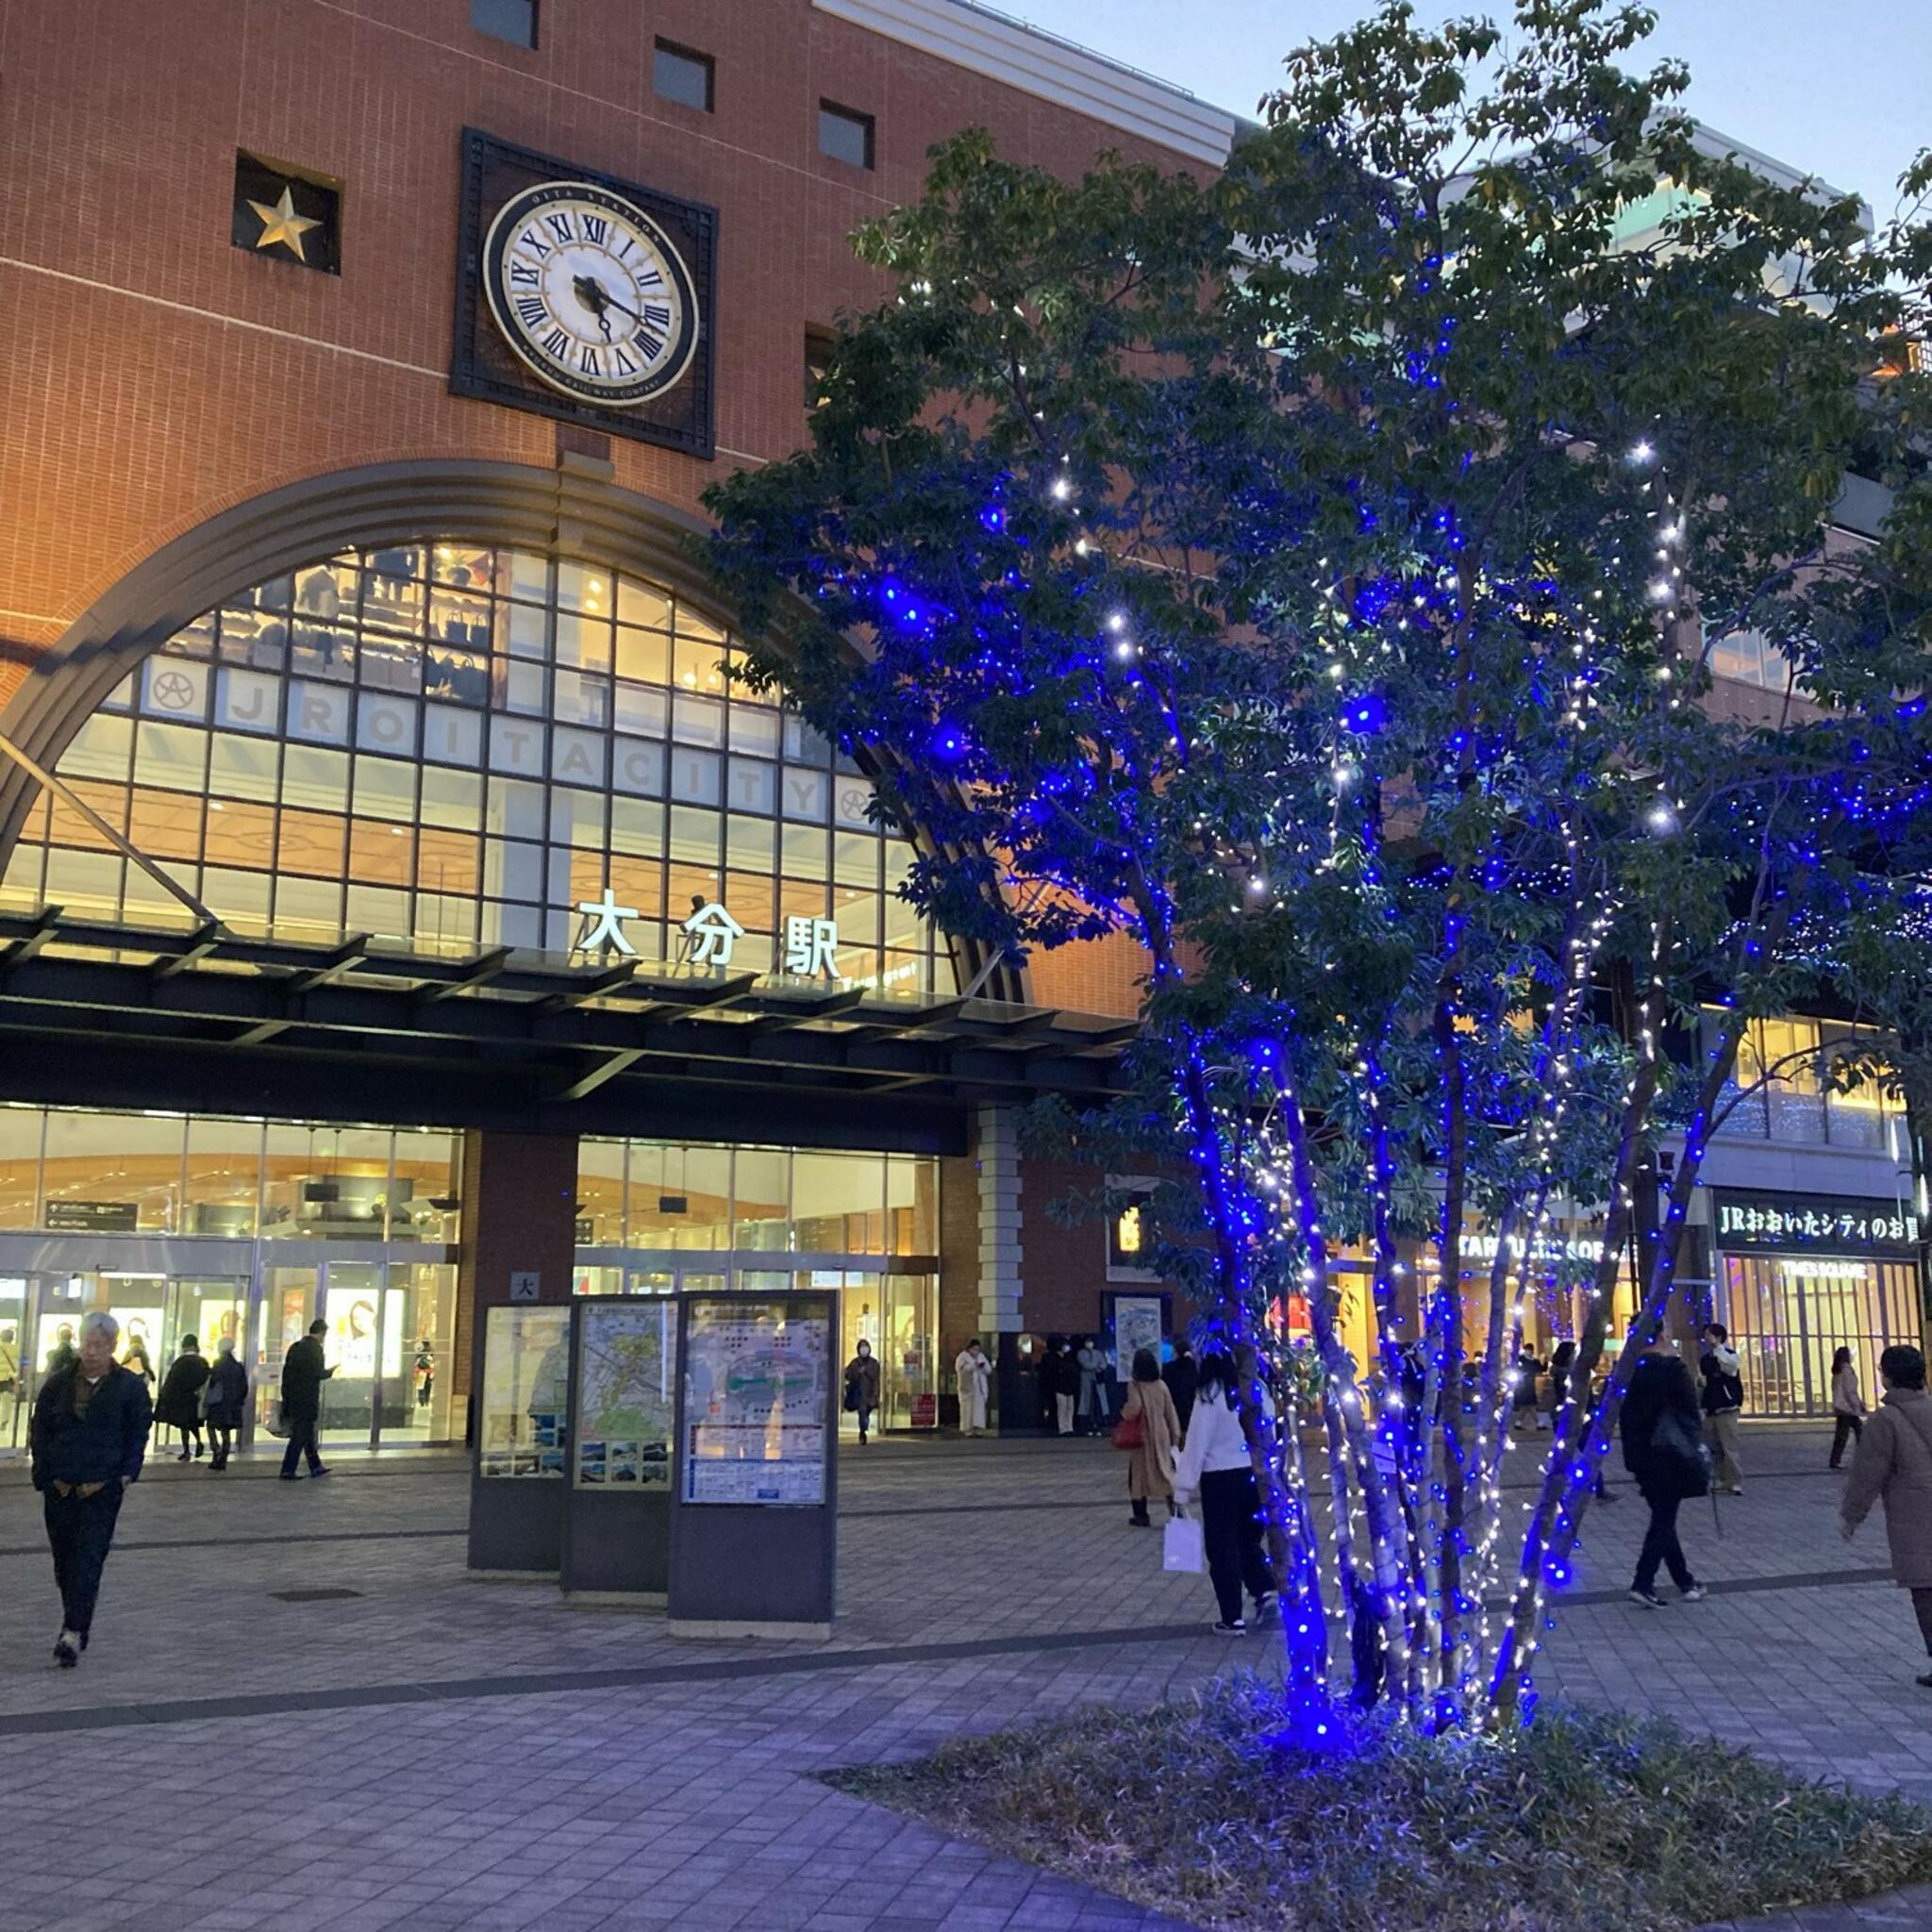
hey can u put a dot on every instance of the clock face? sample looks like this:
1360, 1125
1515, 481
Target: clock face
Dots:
590, 293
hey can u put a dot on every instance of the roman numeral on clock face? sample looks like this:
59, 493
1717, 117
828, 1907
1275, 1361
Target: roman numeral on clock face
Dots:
596, 229
561, 227
557, 343
532, 311
650, 343
588, 361
649, 276
621, 362
522, 276
658, 314
535, 243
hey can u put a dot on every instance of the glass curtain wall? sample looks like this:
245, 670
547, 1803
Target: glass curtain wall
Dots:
183, 1218
449, 747
653, 1217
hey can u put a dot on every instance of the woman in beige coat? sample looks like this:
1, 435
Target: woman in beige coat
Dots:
1150, 1466
1895, 1462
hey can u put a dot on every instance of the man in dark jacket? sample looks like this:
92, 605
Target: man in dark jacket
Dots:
1183, 1378
88, 1437
303, 1375
1663, 1449
1724, 1402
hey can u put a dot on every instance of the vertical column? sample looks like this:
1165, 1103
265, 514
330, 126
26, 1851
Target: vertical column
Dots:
518, 1234
997, 1139
519, 1217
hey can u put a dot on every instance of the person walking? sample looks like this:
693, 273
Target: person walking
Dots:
222, 1401
1092, 1409
9, 1359
1150, 1432
304, 1371
1663, 1449
86, 1442
1724, 1402
972, 1374
1183, 1377
1064, 1373
1216, 1466
64, 1354
862, 1388
178, 1407
1847, 1406
1562, 1366
1893, 1465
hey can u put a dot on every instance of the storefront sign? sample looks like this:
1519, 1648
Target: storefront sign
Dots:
1826, 1224
93, 1216
925, 1412
1550, 1248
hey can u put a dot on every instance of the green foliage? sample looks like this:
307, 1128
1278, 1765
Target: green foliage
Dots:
1584, 1822
1311, 574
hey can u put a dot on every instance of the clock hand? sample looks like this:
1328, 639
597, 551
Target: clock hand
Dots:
597, 298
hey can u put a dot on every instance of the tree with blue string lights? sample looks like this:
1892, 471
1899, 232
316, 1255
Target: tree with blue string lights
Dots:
1314, 574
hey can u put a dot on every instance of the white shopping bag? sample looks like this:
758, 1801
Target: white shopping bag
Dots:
1181, 1548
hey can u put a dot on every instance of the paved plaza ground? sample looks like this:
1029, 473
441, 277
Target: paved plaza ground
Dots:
425, 1751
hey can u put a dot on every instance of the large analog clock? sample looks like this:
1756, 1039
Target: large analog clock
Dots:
590, 293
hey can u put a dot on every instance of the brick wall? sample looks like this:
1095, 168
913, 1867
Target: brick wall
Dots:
156, 374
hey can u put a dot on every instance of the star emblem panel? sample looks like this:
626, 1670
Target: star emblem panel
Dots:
286, 217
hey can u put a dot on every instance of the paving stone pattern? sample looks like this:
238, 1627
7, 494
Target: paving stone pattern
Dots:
438, 1753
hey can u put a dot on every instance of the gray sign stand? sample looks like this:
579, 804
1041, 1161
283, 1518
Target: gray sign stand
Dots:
617, 1493
752, 1567
516, 1517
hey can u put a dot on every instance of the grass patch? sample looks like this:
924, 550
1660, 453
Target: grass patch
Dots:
1587, 1820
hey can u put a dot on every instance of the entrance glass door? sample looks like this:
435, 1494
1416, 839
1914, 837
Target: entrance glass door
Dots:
351, 1301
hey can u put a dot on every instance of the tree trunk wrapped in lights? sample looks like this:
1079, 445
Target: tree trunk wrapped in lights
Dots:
1312, 574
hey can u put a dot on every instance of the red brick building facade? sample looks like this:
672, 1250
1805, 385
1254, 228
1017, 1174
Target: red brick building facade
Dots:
188, 403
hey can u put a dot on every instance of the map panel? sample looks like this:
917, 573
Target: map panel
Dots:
624, 1405
758, 1389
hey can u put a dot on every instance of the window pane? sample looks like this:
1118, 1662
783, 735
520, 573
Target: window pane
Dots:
19, 1164
508, 20
680, 76
223, 1176
131, 1162
600, 1194
763, 1189
845, 136
838, 1203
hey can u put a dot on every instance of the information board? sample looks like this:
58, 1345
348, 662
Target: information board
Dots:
624, 1404
757, 1395
526, 1422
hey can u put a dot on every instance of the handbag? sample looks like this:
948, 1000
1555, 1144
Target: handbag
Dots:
1130, 1433
1684, 1452
1182, 1547
277, 1423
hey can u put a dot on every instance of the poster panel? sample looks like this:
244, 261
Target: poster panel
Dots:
1136, 1325
758, 1387
625, 1399
524, 1428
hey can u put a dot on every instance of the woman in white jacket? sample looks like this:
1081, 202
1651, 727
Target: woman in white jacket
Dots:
1214, 1464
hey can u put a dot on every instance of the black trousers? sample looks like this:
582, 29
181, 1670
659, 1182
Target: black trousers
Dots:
1850, 1429
1231, 1536
302, 1442
865, 1422
79, 1530
1661, 1544
221, 1439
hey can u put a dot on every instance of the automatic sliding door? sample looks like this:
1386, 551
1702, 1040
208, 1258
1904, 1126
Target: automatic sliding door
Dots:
17, 1378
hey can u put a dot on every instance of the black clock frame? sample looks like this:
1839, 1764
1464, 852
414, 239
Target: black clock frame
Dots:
484, 365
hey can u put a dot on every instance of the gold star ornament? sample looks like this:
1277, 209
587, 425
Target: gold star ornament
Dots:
282, 224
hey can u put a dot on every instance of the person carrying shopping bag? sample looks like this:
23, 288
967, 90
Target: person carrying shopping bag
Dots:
1216, 1466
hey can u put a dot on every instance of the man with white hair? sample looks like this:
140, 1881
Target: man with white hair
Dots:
88, 1437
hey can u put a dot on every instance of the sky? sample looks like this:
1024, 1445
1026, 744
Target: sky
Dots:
1834, 87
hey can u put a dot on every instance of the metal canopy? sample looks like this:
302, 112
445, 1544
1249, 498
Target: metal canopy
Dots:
103, 1014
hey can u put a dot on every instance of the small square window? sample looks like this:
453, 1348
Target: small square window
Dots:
845, 136
506, 20
679, 74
